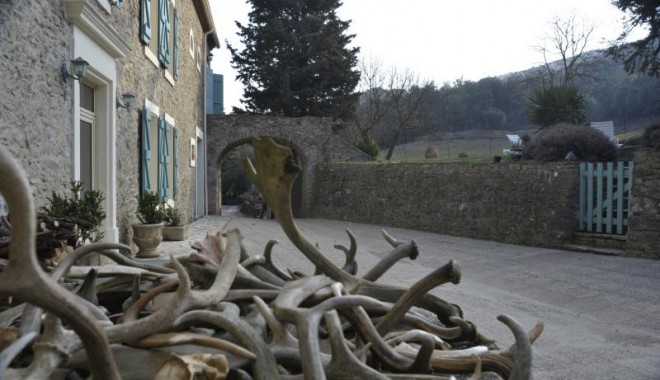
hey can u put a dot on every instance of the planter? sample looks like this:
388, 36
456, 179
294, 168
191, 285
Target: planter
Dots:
147, 237
175, 233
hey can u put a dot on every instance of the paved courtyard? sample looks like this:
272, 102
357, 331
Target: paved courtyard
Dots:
601, 313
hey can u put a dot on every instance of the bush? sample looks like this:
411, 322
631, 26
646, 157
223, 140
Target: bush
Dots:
150, 209
84, 206
652, 136
557, 104
173, 217
371, 148
554, 143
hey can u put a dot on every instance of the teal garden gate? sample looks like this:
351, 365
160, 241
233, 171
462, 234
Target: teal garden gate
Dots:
605, 197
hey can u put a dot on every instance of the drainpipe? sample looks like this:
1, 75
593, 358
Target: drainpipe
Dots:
206, 157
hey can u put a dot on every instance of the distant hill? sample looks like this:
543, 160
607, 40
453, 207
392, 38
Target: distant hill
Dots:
499, 103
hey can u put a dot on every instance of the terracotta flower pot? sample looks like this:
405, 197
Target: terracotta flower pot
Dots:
147, 237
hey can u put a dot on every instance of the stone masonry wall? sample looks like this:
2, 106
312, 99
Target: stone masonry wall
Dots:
35, 109
643, 239
184, 101
523, 203
313, 140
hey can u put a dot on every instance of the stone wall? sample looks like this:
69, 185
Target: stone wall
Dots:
313, 139
37, 120
35, 109
183, 101
522, 203
643, 239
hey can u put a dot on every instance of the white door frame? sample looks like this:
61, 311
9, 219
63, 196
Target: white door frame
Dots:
102, 75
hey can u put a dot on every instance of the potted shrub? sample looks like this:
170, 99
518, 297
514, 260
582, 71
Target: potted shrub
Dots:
174, 228
148, 234
84, 208
71, 220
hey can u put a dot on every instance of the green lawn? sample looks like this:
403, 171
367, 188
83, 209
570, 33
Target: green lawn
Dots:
476, 149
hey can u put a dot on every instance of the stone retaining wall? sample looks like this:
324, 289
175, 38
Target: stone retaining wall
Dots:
523, 203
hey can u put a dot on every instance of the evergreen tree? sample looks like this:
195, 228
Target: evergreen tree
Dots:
296, 60
643, 55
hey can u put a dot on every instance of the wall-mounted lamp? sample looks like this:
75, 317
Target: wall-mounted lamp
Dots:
117, 3
127, 100
78, 68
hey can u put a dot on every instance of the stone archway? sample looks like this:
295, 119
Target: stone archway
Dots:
312, 139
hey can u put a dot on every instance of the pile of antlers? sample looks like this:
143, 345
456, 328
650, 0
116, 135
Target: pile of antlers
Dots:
251, 320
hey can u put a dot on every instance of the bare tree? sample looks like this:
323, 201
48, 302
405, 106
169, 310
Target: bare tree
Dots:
372, 104
405, 96
569, 40
390, 103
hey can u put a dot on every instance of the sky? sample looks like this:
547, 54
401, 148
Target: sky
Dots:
439, 40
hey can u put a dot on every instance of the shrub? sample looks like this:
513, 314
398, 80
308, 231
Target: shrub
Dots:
371, 148
173, 217
554, 143
649, 137
150, 209
652, 136
85, 206
636, 140
557, 104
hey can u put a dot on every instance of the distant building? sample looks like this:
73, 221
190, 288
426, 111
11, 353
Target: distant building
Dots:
214, 93
605, 127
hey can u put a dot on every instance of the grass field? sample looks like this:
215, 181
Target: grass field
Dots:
449, 149
477, 148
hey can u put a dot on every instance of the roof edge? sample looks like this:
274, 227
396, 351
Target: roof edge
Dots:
203, 10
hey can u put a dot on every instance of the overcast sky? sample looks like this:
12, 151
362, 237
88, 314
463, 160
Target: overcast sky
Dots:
439, 40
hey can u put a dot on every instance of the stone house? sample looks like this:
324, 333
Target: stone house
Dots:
62, 129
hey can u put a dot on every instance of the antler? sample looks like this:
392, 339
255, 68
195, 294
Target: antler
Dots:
23, 277
273, 341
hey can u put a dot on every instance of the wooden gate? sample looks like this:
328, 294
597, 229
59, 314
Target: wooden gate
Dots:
605, 197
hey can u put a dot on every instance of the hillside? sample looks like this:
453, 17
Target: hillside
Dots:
499, 103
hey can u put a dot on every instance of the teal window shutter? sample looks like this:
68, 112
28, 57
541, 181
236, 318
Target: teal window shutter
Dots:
163, 30
146, 151
145, 21
162, 158
175, 162
175, 53
166, 158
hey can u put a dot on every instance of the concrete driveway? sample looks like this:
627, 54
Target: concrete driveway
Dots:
601, 313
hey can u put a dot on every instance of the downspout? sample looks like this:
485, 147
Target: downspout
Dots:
206, 157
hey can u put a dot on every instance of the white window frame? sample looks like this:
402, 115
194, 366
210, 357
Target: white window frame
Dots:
199, 58
191, 41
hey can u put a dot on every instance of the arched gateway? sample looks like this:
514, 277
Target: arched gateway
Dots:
312, 139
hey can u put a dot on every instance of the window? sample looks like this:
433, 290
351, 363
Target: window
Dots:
164, 30
159, 162
145, 21
175, 43
87, 148
159, 32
